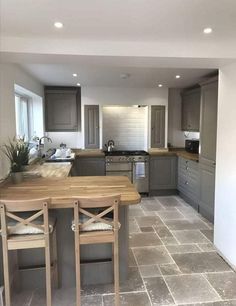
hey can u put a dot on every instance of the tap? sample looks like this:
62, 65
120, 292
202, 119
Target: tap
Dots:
44, 137
40, 146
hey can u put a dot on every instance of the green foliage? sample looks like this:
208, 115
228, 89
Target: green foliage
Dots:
17, 151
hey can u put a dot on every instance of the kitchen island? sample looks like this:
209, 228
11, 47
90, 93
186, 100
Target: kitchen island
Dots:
96, 266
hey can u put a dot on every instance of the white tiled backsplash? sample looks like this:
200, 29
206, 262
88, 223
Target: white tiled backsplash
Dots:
126, 125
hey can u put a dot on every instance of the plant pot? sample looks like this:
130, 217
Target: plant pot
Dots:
16, 177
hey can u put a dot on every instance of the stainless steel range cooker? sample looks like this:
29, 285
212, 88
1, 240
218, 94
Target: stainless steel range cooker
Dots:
133, 164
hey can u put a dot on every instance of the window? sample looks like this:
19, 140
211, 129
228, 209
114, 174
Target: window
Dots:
22, 116
29, 113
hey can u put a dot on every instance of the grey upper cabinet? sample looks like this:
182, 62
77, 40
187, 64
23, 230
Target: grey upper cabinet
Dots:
163, 172
191, 110
157, 126
208, 129
91, 126
62, 109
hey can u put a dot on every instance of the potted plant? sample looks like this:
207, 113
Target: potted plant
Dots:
17, 151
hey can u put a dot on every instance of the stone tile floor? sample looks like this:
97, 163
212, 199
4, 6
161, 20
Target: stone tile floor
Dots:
172, 262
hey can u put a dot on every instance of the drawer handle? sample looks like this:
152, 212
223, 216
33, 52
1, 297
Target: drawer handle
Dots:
187, 168
186, 183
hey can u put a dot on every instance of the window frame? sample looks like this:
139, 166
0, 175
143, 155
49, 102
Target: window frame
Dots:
28, 101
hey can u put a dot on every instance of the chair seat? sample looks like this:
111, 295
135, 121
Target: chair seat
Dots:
28, 229
96, 237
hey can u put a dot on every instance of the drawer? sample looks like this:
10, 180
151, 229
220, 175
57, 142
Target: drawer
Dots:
183, 163
189, 184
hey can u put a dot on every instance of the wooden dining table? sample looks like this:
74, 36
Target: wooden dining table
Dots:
96, 265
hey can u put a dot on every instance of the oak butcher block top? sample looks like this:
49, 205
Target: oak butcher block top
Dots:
61, 190
50, 170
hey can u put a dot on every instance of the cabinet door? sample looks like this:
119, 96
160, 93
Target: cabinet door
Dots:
163, 172
157, 126
207, 191
61, 109
90, 166
208, 129
191, 110
91, 122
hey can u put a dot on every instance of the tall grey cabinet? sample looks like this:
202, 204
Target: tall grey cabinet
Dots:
207, 159
91, 126
62, 108
157, 126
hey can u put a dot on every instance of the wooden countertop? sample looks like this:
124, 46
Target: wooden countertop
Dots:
61, 190
49, 170
181, 153
88, 153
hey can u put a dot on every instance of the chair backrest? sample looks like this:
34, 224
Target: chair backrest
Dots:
38, 207
107, 204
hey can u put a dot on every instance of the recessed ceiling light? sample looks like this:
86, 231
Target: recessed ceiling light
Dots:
207, 30
58, 24
124, 75
160, 85
177, 76
74, 74
78, 84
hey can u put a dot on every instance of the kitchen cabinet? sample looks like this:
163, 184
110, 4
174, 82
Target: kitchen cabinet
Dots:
191, 110
88, 166
62, 109
157, 126
188, 181
91, 126
163, 174
207, 160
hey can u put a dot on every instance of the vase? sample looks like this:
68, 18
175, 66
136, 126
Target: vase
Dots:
16, 177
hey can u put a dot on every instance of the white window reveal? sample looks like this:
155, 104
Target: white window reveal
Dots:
29, 114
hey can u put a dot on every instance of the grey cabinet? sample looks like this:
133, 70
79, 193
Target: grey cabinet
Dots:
91, 126
89, 166
188, 181
157, 126
62, 109
208, 133
191, 110
163, 173
207, 191
209, 98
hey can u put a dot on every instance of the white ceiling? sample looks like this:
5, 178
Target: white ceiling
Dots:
127, 20
88, 75
152, 40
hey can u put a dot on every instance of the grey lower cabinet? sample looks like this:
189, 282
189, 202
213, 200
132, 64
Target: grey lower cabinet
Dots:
91, 126
189, 181
62, 109
207, 191
163, 175
157, 126
191, 110
88, 166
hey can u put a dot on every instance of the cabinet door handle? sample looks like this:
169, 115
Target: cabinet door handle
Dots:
214, 163
187, 168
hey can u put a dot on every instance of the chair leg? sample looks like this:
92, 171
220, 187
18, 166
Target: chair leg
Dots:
48, 273
77, 268
55, 262
6, 273
116, 271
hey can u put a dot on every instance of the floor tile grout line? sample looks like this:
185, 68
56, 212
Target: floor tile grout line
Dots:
212, 286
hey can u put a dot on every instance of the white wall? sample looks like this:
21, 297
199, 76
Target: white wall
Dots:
225, 190
11, 74
176, 137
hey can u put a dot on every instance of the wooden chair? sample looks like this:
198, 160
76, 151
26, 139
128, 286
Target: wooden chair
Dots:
84, 235
18, 241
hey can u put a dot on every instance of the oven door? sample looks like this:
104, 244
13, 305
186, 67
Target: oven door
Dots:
120, 173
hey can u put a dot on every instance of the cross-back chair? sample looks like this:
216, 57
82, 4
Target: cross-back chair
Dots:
28, 233
97, 228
